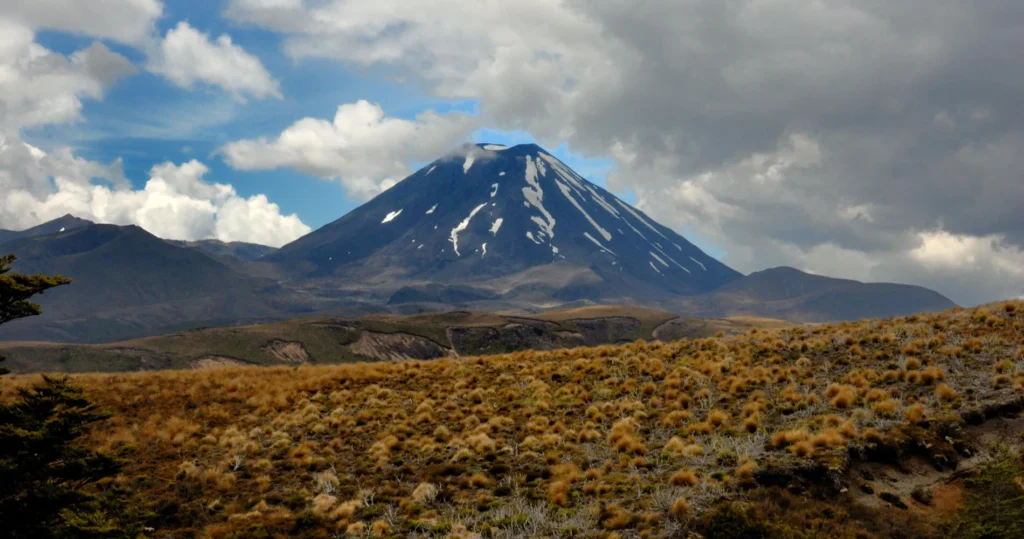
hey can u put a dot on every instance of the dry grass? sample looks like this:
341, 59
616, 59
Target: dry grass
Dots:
640, 438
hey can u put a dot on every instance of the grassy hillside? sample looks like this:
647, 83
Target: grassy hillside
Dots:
368, 338
883, 428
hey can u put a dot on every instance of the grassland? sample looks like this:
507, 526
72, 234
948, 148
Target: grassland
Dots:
772, 433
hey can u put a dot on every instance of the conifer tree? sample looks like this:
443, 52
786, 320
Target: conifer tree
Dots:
43, 464
17, 288
43, 467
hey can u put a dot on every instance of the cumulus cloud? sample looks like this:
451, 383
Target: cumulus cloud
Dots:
175, 203
39, 86
361, 147
128, 21
186, 56
912, 109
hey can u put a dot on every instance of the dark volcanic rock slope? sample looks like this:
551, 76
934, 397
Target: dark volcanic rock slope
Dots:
489, 212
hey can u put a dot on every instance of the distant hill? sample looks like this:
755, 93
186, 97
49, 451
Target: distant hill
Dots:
382, 337
237, 249
791, 294
127, 281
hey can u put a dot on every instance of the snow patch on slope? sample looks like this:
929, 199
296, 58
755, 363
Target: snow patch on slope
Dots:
637, 216
568, 194
431, 210
454, 236
564, 172
602, 202
468, 163
535, 197
391, 216
496, 225
593, 239
431, 169
666, 255
654, 267
698, 263
658, 258
494, 190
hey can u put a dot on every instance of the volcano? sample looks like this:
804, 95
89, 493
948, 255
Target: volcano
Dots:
510, 221
484, 228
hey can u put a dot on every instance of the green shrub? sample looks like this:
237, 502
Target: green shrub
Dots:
44, 468
993, 501
733, 521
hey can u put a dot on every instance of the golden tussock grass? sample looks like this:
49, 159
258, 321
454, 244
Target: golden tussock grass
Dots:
684, 478
384, 448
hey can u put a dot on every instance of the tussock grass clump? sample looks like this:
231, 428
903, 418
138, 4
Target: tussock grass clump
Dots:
684, 478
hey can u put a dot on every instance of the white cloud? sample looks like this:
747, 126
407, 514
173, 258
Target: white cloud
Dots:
176, 202
907, 115
39, 87
186, 56
940, 250
362, 148
964, 266
129, 21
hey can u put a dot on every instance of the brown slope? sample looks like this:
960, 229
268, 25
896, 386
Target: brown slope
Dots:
378, 337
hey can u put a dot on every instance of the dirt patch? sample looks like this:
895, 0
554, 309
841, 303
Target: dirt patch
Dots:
874, 481
947, 498
214, 362
396, 347
287, 351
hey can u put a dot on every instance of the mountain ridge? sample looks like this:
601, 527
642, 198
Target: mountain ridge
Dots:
486, 227
788, 293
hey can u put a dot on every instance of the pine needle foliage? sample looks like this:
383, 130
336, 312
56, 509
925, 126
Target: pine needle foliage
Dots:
17, 288
45, 462
44, 465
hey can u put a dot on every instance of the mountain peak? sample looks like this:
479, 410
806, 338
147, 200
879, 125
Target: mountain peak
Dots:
518, 149
489, 212
529, 147
64, 223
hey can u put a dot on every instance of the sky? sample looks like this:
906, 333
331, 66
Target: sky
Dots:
864, 139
